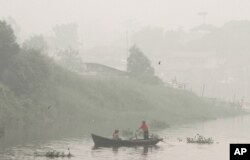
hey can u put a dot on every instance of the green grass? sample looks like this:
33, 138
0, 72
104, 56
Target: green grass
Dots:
70, 104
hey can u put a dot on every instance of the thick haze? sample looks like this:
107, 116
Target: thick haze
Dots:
198, 41
73, 67
101, 22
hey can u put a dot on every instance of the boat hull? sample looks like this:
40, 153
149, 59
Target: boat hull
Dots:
102, 141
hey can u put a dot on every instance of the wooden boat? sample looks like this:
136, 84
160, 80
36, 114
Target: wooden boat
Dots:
102, 141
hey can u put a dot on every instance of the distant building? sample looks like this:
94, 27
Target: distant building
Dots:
102, 70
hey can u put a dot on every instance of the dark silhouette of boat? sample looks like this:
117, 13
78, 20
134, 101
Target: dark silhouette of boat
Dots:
108, 142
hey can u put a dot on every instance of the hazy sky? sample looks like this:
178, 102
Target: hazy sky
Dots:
109, 19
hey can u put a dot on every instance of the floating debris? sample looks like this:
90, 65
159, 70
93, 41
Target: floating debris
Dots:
53, 154
200, 140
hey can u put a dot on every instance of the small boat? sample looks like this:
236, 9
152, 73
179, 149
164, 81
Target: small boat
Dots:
108, 142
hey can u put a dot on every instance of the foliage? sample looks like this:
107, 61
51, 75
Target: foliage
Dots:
66, 35
36, 43
53, 154
70, 59
231, 38
139, 67
138, 63
37, 94
15, 26
164, 41
29, 71
8, 45
200, 140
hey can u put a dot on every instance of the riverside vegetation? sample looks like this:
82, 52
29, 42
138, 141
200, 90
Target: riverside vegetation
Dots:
200, 139
38, 97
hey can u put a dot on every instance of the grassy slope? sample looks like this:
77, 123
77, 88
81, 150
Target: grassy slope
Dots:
79, 104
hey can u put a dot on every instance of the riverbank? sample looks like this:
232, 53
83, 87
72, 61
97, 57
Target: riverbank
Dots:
76, 105
42, 98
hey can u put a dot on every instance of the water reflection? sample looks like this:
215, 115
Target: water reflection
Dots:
98, 148
115, 150
144, 150
223, 131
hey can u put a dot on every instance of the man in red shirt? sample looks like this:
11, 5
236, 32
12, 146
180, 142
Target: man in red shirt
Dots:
144, 128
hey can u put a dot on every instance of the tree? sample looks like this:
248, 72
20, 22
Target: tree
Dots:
71, 59
232, 38
8, 45
37, 43
139, 67
138, 64
16, 28
30, 71
66, 36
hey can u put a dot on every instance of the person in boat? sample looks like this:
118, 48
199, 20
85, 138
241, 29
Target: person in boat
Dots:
144, 128
116, 135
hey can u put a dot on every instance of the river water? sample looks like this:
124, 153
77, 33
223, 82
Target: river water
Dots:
223, 132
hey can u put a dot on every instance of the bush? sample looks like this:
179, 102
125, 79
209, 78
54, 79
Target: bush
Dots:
27, 72
8, 45
200, 140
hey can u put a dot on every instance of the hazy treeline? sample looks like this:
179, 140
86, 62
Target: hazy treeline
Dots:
230, 38
214, 56
39, 97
